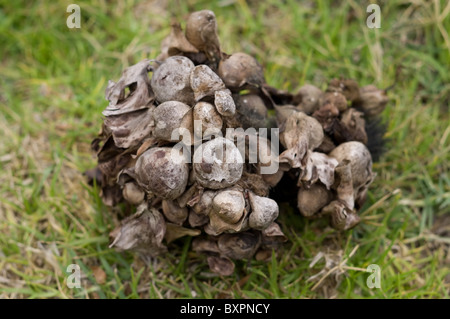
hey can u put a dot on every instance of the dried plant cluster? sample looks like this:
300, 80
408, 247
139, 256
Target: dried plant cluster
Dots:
217, 196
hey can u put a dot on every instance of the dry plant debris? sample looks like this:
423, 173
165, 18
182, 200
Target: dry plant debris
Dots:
164, 149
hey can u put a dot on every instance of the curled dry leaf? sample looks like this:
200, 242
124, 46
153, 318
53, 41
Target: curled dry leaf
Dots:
276, 96
175, 44
142, 232
193, 192
318, 167
302, 133
174, 232
358, 158
112, 159
254, 183
218, 226
130, 129
136, 79
111, 195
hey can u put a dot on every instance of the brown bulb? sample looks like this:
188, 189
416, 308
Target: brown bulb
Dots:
163, 171
241, 70
171, 80
201, 31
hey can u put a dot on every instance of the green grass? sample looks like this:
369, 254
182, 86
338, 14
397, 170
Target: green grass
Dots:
52, 81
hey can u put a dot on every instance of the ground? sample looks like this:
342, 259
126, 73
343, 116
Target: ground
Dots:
51, 97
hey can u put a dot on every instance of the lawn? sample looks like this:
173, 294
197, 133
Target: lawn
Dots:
52, 82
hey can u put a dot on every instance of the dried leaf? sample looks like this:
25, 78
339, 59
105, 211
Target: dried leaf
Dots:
130, 129
344, 189
191, 195
318, 167
142, 232
302, 133
217, 225
174, 232
357, 157
176, 42
136, 79
146, 144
